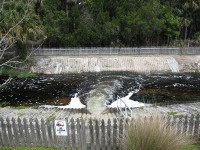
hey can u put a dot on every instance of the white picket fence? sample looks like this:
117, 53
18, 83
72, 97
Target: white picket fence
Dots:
82, 134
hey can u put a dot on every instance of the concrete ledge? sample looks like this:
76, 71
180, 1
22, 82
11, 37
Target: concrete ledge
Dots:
139, 64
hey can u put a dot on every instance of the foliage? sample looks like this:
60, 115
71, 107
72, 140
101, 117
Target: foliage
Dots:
118, 23
4, 104
18, 25
95, 23
197, 36
154, 135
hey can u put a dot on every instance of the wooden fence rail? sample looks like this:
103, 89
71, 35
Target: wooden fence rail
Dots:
117, 51
82, 134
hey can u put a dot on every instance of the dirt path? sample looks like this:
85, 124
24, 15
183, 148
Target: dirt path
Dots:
178, 109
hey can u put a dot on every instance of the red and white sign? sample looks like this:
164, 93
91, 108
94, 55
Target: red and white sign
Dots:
61, 128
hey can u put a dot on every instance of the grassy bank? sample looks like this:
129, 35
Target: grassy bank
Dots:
16, 73
192, 147
27, 148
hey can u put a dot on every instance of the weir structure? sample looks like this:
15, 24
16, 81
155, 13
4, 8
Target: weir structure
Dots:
137, 60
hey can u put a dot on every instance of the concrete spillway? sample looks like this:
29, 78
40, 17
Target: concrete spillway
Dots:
138, 64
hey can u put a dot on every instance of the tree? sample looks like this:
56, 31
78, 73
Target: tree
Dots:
75, 23
19, 25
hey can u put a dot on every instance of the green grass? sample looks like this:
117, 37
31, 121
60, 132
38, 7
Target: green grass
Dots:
31, 148
9, 72
192, 147
172, 113
21, 107
52, 117
27, 148
22, 74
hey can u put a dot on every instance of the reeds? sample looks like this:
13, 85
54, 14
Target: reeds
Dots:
153, 135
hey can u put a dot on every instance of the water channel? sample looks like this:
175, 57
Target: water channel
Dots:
159, 89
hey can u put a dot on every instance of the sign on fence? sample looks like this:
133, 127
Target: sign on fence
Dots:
61, 128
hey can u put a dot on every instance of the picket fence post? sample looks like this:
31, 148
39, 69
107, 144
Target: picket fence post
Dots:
82, 134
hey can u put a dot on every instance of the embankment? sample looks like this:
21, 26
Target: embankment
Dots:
134, 63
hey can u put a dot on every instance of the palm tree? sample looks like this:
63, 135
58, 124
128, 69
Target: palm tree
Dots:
19, 23
188, 7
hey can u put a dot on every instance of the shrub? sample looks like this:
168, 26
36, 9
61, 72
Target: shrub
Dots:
153, 135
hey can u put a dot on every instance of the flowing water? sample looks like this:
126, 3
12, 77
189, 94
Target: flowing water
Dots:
59, 89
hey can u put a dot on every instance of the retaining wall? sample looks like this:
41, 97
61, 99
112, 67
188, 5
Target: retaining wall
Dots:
139, 60
66, 64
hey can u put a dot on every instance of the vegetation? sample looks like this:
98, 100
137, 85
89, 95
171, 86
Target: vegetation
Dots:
23, 75
21, 107
119, 23
95, 23
90, 23
19, 25
172, 113
52, 117
27, 148
4, 104
191, 147
153, 135
11, 73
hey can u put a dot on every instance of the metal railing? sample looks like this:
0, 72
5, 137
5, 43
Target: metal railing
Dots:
117, 51
124, 111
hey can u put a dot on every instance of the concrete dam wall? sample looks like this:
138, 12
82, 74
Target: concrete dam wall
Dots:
140, 64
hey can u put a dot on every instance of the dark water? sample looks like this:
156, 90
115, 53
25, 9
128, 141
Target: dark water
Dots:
58, 89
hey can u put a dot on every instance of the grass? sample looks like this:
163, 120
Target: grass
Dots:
27, 148
153, 135
172, 113
32, 148
21, 107
52, 117
192, 147
11, 73
57, 110
23, 75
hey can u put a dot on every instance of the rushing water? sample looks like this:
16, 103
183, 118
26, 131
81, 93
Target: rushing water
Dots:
58, 89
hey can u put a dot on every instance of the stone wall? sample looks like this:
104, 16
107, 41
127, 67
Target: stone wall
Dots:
138, 64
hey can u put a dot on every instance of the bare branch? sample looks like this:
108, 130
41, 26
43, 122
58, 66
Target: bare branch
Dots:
19, 22
12, 29
6, 82
2, 6
13, 60
1, 21
5, 44
6, 48
8, 61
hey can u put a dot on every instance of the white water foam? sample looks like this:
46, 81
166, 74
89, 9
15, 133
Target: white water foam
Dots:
74, 104
126, 102
58, 69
